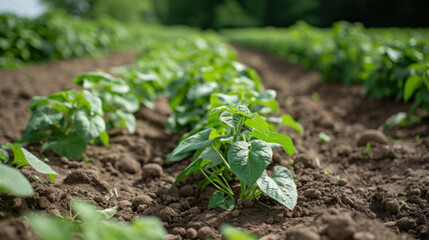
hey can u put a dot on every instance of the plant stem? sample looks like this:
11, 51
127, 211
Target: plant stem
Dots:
243, 192
214, 184
220, 155
223, 187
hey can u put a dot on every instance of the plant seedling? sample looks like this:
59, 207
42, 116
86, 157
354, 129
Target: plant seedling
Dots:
91, 223
238, 143
323, 137
66, 121
368, 147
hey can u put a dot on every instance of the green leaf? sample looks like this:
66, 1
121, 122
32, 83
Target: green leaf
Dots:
210, 154
215, 113
94, 77
104, 137
201, 90
86, 211
12, 181
193, 168
264, 107
37, 102
231, 233
22, 157
262, 132
49, 227
227, 118
128, 102
88, 127
411, 85
108, 213
90, 101
41, 120
194, 142
258, 123
368, 147
249, 160
148, 228
287, 120
71, 146
280, 186
219, 99
4, 156
127, 120
323, 137
219, 200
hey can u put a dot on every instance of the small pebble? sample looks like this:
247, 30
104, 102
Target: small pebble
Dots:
373, 136
194, 210
391, 206
167, 214
347, 200
312, 193
235, 213
179, 231
206, 232
173, 237
363, 236
191, 233
141, 208
142, 199
304, 234
271, 236
406, 223
151, 170
340, 227
176, 206
342, 182
414, 192
158, 161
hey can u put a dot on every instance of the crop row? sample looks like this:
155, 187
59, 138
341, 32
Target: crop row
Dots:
219, 100
390, 63
56, 35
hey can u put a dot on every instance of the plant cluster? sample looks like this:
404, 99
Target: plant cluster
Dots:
221, 102
389, 62
90, 223
56, 35
239, 142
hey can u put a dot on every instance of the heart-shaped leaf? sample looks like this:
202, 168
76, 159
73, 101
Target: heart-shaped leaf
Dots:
88, 127
249, 160
280, 186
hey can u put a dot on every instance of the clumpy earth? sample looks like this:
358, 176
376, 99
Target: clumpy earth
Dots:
345, 191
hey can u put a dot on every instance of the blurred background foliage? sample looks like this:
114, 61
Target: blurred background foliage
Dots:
122, 10
254, 13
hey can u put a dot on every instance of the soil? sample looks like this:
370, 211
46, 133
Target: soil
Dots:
344, 191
